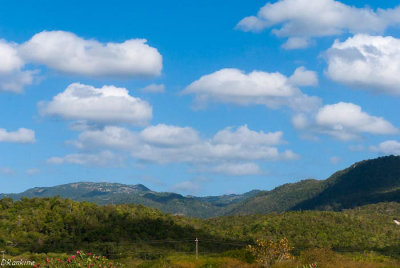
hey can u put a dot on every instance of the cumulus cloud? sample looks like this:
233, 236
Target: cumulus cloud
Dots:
110, 137
68, 53
301, 20
366, 62
390, 147
12, 76
154, 88
164, 135
303, 77
344, 121
296, 43
166, 144
21, 135
108, 104
271, 89
244, 135
211, 150
103, 158
300, 121
237, 169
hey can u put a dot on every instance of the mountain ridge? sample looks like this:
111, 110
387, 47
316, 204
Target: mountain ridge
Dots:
117, 193
365, 182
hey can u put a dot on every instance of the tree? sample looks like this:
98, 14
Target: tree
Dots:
268, 252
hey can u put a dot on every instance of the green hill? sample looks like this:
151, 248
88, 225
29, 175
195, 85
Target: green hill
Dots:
62, 225
115, 193
282, 198
365, 182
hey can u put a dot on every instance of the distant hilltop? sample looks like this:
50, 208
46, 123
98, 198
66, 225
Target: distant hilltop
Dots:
365, 182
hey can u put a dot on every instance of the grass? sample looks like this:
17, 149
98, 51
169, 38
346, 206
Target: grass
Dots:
324, 258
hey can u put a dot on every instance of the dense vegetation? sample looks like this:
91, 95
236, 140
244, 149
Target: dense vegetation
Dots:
347, 232
115, 193
59, 225
282, 198
366, 182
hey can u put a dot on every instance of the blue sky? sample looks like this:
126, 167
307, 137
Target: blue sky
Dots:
220, 97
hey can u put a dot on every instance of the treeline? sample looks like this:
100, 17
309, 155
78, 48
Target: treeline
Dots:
62, 225
369, 228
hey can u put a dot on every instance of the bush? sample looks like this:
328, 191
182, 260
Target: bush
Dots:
81, 259
268, 252
318, 255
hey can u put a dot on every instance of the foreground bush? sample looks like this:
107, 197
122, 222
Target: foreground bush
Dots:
268, 252
80, 259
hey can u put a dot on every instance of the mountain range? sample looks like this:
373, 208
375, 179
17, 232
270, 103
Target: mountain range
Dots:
365, 182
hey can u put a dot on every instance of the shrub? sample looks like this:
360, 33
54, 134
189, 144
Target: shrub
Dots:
268, 252
80, 259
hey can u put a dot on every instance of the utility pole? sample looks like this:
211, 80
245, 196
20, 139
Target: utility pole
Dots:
197, 248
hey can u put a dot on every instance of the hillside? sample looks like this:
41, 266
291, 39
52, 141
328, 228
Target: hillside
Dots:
281, 199
61, 225
115, 193
365, 182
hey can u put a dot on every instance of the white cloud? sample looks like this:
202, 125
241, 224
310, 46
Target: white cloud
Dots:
390, 147
109, 137
10, 60
344, 121
21, 135
271, 89
207, 152
154, 88
303, 77
103, 158
244, 135
164, 135
304, 19
366, 62
214, 150
12, 76
347, 117
68, 53
108, 104
296, 43
300, 121
166, 144
237, 169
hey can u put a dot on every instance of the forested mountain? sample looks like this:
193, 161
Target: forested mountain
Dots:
115, 193
365, 182
62, 225
282, 198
